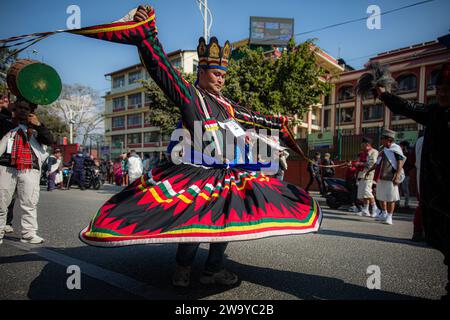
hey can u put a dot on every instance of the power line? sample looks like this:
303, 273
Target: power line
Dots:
353, 20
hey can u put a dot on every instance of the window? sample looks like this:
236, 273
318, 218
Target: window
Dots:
118, 122
134, 138
373, 112
431, 85
151, 137
118, 141
345, 93
327, 100
368, 96
118, 82
371, 131
327, 118
134, 101
405, 127
119, 104
345, 115
147, 121
133, 77
134, 120
406, 83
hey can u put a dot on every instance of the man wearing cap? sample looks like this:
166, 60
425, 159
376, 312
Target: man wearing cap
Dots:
21, 157
365, 180
388, 174
434, 168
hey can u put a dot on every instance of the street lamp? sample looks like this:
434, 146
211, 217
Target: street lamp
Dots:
206, 13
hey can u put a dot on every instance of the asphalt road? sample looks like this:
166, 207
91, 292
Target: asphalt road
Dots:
331, 264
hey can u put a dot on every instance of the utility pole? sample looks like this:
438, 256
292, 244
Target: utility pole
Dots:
207, 18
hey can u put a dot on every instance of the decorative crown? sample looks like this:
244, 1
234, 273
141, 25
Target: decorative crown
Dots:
212, 56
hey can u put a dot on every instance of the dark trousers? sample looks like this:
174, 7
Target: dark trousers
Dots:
78, 176
10, 216
186, 254
318, 178
51, 181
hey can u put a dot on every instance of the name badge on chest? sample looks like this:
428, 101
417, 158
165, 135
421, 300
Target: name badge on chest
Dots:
234, 127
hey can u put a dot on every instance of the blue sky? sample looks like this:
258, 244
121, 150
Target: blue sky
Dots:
83, 60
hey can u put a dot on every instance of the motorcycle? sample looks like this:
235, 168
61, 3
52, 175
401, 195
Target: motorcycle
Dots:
92, 178
337, 192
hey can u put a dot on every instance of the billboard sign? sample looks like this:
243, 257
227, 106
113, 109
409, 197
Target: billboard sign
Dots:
271, 31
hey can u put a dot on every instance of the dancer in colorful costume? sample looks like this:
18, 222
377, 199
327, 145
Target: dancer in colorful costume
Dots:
191, 203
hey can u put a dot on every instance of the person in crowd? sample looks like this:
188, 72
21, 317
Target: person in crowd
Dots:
78, 170
365, 181
146, 164
407, 167
314, 173
135, 167
22, 155
434, 172
418, 232
327, 170
118, 173
55, 165
388, 174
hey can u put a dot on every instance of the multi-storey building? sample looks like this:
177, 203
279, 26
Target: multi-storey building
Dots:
415, 69
127, 125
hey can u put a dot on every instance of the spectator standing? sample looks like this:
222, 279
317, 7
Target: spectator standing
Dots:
407, 167
365, 180
22, 154
314, 173
135, 167
388, 174
54, 170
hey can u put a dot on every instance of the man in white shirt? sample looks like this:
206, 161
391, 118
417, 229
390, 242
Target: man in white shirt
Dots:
135, 167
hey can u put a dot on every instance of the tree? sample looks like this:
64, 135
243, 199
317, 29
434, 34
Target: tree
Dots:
6, 60
163, 112
50, 118
80, 105
287, 85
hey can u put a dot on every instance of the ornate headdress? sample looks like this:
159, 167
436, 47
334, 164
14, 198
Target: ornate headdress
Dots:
212, 56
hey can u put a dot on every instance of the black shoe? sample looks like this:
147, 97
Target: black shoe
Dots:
418, 237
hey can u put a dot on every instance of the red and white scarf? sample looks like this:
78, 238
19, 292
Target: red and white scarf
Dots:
22, 155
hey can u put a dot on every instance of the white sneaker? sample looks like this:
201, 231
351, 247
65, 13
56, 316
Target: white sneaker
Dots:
33, 240
381, 217
363, 213
388, 219
374, 214
9, 229
1, 241
352, 209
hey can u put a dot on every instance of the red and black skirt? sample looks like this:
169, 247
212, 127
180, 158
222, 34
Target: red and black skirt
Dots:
187, 203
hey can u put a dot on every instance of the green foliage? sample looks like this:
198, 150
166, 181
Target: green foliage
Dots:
5, 62
53, 122
163, 113
287, 85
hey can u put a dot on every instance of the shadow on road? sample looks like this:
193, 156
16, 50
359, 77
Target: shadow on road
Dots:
153, 265
367, 236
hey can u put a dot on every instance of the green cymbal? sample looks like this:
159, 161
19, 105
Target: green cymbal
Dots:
39, 83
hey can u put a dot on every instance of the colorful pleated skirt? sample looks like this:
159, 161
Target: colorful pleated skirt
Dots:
192, 204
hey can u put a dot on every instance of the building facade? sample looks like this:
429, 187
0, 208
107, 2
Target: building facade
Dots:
415, 69
127, 124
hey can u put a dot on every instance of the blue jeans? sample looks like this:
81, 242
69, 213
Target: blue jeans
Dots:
186, 254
